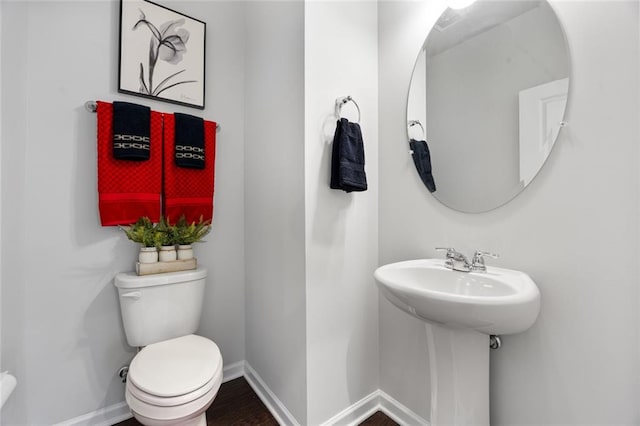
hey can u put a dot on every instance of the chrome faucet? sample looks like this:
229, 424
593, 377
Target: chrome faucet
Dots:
455, 260
478, 260
458, 262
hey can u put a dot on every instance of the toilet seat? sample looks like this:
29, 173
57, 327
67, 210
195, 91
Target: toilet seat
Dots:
172, 414
163, 401
174, 379
175, 367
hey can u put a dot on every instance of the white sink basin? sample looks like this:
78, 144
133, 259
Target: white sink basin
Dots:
498, 301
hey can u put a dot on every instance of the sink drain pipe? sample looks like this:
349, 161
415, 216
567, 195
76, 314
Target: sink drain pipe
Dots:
494, 341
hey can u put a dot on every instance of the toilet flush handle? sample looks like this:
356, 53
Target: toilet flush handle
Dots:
135, 295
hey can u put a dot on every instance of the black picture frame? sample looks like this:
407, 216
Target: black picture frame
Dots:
162, 54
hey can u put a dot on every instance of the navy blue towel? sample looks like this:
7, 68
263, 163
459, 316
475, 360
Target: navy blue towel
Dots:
422, 160
131, 131
347, 161
189, 141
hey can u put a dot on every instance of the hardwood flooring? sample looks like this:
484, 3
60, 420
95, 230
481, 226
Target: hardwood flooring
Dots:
238, 404
379, 419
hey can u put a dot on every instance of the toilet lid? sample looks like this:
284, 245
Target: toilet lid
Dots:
175, 367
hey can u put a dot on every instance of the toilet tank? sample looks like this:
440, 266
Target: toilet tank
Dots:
160, 306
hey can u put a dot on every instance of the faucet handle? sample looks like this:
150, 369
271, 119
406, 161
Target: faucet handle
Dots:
485, 253
478, 260
450, 251
455, 260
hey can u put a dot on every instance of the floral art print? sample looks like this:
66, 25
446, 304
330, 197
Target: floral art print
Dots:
162, 53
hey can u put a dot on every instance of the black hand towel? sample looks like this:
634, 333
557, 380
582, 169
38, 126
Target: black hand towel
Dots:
347, 161
189, 141
422, 160
131, 131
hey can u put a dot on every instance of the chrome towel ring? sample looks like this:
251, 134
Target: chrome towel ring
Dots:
343, 100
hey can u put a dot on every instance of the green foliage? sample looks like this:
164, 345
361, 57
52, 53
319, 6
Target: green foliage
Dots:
141, 232
189, 233
164, 234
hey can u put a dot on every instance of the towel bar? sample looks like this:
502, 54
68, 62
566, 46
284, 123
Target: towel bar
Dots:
91, 106
343, 100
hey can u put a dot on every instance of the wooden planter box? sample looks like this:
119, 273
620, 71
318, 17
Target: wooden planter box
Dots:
162, 267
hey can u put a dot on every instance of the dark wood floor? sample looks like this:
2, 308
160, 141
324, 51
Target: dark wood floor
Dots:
379, 419
237, 404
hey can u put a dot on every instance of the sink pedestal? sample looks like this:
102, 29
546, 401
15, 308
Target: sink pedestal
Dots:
461, 310
459, 369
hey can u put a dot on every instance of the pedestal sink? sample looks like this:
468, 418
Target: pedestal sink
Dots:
461, 310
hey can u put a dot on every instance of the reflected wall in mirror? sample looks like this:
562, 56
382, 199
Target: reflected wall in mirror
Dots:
488, 95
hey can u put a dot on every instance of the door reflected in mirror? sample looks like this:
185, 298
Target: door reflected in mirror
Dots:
488, 97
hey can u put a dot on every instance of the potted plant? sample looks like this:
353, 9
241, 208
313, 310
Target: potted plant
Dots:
186, 234
165, 238
143, 232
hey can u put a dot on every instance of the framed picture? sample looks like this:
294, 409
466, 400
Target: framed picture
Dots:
162, 54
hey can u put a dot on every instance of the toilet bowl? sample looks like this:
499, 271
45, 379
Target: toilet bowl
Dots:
174, 382
176, 375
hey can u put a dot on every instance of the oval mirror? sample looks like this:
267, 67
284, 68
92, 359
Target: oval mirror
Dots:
487, 101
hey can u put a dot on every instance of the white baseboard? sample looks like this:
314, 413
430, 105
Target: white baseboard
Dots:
398, 412
119, 412
351, 416
233, 371
103, 417
272, 402
376, 401
356, 413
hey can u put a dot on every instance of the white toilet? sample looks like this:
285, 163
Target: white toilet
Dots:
176, 375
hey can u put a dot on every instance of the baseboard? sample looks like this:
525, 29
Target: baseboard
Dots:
233, 371
119, 412
356, 413
376, 401
351, 416
398, 412
103, 417
270, 400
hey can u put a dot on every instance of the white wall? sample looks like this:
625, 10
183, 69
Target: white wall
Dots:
311, 302
341, 58
0, 195
574, 230
274, 200
62, 333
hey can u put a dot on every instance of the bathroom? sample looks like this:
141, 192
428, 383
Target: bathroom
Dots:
290, 296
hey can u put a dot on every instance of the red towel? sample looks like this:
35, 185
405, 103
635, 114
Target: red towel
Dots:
128, 190
188, 192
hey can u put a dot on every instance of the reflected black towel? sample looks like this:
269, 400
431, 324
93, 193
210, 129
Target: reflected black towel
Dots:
131, 131
189, 141
422, 160
347, 161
